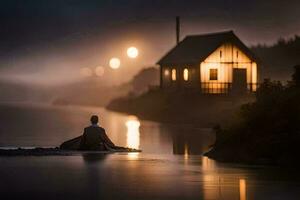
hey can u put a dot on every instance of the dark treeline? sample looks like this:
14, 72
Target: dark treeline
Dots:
277, 60
267, 130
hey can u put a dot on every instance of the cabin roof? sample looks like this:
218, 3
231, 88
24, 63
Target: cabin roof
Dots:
196, 48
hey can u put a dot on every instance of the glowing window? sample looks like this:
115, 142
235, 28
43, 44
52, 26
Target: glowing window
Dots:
213, 74
173, 74
186, 74
167, 72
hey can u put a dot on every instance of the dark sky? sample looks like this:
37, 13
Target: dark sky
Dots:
45, 36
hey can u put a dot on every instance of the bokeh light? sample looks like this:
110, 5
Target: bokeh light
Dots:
114, 63
86, 72
132, 52
99, 71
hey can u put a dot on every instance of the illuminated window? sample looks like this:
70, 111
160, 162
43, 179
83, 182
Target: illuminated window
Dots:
173, 74
213, 74
186, 74
167, 72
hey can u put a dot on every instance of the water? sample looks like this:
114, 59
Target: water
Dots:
170, 166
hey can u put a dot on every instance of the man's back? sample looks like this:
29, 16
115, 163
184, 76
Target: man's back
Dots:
95, 138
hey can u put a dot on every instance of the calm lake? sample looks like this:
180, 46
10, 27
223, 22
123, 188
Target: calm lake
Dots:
170, 166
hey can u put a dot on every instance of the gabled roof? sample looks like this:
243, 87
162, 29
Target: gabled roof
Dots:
196, 48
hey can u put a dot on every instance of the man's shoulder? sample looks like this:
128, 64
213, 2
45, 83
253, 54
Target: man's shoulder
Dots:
94, 127
100, 128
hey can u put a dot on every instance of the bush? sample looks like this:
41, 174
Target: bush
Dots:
267, 129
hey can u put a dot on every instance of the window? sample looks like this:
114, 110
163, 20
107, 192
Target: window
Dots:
220, 54
213, 74
186, 74
173, 74
167, 72
237, 54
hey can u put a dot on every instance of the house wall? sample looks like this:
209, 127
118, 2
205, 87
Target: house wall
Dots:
224, 59
192, 81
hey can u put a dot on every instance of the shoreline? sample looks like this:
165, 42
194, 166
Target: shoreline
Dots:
180, 108
54, 151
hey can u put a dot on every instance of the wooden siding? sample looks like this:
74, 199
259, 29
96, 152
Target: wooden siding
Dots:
225, 59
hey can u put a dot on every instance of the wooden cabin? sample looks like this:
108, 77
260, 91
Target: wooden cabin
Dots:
216, 63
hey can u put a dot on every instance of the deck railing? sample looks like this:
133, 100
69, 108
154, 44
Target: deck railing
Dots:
223, 88
215, 87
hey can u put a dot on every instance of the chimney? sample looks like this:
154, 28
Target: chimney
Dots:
177, 29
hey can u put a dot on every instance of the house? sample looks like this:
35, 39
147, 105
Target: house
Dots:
216, 63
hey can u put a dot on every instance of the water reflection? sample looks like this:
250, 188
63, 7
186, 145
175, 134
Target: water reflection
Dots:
92, 162
133, 132
208, 164
133, 155
164, 175
218, 185
186, 151
190, 141
93, 158
212, 188
243, 193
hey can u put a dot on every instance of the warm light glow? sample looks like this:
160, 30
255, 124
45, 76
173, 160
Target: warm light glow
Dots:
186, 74
254, 77
232, 58
99, 71
173, 74
133, 155
243, 191
208, 164
132, 52
85, 71
114, 63
186, 151
133, 132
167, 72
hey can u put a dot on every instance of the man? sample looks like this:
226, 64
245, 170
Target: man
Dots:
95, 138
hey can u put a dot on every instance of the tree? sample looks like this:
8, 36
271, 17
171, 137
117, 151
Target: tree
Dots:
296, 76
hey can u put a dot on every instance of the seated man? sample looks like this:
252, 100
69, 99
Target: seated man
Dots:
95, 138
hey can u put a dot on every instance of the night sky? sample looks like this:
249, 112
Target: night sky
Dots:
41, 38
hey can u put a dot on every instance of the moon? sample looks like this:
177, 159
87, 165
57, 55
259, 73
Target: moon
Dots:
132, 52
114, 63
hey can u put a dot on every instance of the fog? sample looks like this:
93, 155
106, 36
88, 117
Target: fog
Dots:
57, 65
45, 45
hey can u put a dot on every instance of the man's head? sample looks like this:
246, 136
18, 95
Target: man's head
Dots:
94, 119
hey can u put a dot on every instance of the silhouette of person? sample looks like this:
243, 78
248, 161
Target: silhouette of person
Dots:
94, 137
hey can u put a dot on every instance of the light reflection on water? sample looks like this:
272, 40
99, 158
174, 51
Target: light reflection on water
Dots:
133, 155
169, 167
243, 190
213, 183
133, 132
